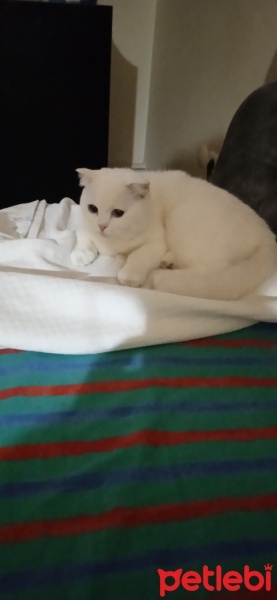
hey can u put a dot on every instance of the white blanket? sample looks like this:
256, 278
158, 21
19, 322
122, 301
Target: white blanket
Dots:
49, 306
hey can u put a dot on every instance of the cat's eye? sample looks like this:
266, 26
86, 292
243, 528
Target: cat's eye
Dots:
92, 208
117, 212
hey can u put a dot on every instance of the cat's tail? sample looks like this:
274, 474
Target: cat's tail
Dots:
229, 283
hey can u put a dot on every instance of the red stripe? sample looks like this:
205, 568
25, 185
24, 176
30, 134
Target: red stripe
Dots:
134, 517
146, 437
9, 351
137, 384
210, 342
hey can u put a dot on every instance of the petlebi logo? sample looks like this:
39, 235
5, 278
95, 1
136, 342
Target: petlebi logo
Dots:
215, 580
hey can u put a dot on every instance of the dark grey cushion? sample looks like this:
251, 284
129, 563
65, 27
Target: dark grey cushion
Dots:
247, 163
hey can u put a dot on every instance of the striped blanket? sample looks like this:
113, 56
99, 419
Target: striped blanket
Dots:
115, 465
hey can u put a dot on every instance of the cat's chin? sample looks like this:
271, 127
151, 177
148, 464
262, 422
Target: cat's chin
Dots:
105, 235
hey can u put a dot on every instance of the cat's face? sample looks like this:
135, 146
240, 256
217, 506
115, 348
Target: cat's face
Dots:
114, 202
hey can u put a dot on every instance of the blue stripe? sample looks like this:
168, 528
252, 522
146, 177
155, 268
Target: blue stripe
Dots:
120, 412
93, 481
165, 558
60, 365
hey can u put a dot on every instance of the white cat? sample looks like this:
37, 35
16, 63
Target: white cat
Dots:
219, 247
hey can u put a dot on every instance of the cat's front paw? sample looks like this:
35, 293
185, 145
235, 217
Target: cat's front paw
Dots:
157, 277
130, 278
81, 257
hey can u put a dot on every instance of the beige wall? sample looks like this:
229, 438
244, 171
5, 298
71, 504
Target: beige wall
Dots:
208, 56
133, 34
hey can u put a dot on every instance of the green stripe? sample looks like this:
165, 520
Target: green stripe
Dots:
61, 505
124, 542
42, 469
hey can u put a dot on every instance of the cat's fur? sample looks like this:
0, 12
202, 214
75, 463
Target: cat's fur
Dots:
218, 247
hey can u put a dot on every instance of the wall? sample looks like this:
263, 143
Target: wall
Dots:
133, 34
180, 69
207, 57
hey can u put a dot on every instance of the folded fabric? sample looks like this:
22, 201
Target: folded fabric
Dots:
47, 305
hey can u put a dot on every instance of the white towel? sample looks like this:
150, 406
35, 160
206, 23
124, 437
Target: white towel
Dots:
47, 305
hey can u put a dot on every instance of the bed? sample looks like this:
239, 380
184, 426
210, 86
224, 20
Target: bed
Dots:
116, 464
122, 455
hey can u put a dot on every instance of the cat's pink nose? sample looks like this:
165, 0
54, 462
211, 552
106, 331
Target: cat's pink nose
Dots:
103, 227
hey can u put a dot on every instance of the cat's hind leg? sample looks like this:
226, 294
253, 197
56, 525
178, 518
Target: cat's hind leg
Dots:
184, 282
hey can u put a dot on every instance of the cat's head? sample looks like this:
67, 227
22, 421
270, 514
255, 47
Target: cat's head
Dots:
114, 202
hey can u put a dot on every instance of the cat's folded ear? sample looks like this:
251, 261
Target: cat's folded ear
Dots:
139, 190
85, 176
